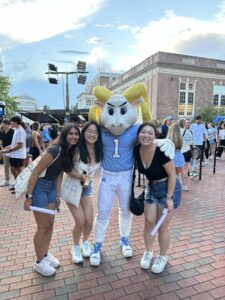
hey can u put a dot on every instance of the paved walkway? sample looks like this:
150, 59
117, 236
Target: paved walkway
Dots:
196, 269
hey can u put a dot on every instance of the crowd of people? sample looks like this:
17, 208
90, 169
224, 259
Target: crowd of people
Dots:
78, 152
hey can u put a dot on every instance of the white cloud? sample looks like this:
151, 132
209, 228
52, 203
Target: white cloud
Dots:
97, 55
126, 27
108, 25
29, 21
173, 33
168, 32
94, 40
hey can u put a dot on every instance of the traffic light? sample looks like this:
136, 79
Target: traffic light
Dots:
81, 79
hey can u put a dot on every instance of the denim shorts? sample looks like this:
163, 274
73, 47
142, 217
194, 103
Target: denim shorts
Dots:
44, 193
87, 190
156, 193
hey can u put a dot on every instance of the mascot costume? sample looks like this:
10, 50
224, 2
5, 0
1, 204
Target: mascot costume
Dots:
118, 115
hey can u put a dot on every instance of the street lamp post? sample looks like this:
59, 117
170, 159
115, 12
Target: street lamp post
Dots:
81, 79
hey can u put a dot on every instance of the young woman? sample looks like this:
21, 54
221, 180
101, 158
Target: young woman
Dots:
88, 161
186, 151
37, 147
174, 135
44, 192
163, 189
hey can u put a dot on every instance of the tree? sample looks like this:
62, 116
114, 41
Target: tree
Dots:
10, 102
209, 113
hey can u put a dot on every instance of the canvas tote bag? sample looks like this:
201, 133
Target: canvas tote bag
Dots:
21, 182
71, 189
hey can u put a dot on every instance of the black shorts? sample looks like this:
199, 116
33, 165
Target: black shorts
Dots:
16, 162
187, 156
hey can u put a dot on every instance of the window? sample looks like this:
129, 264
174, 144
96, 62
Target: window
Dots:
218, 95
191, 86
182, 97
222, 101
182, 86
215, 100
186, 99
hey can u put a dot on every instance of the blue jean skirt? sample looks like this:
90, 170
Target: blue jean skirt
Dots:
87, 190
178, 159
44, 193
155, 193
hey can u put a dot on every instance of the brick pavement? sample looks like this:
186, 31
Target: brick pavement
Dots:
196, 269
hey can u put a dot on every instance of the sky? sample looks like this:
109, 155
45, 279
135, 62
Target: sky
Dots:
109, 35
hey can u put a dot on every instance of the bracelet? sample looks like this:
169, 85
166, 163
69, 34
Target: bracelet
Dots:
169, 196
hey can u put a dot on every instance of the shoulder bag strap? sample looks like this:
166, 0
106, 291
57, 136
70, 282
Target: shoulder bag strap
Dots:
184, 132
55, 157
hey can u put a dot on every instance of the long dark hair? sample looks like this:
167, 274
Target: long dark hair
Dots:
67, 154
98, 147
147, 124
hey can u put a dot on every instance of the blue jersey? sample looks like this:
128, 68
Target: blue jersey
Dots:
118, 150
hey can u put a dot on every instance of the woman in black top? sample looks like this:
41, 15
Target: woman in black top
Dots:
163, 190
44, 193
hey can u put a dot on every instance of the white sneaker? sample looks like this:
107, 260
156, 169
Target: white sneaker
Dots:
184, 188
44, 268
76, 254
86, 249
125, 246
4, 183
146, 260
54, 262
205, 163
159, 264
217, 157
95, 258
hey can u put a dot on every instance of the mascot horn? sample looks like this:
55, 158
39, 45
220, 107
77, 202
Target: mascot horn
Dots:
118, 115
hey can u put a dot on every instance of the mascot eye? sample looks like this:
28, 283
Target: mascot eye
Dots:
111, 111
123, 110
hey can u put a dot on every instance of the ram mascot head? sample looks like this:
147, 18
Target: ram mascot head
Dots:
117, 112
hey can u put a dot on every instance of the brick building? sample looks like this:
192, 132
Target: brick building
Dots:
178, 85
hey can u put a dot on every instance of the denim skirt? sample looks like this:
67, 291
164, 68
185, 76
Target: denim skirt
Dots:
155, 193
44, 193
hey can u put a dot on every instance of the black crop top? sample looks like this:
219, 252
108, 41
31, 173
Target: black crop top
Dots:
155, 171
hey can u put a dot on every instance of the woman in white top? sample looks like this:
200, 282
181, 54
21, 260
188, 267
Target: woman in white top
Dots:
221, 136
88, 162
186, 150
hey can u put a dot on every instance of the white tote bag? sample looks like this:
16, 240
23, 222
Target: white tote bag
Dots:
21, 182
71, 190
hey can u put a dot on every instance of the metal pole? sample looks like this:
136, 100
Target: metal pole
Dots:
214, 159
67, 96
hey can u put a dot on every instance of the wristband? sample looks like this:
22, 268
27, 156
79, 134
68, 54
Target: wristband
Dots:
169, 196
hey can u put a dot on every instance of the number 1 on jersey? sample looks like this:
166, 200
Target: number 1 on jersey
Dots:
116, 149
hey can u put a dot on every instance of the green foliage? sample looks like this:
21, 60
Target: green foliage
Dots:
210, 112
10, 103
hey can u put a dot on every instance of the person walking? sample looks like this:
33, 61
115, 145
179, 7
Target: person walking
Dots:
87, 161
37, 145
163, 190
199, 136
45, 193
174, 135
186, 151
17, 149
221, 138
6, 137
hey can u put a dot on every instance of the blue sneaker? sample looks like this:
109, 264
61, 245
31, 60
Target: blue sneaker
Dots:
5, 183
95, 258
125, 246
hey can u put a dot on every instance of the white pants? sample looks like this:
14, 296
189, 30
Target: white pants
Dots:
113, 184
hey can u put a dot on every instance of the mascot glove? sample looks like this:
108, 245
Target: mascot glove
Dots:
166, 146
